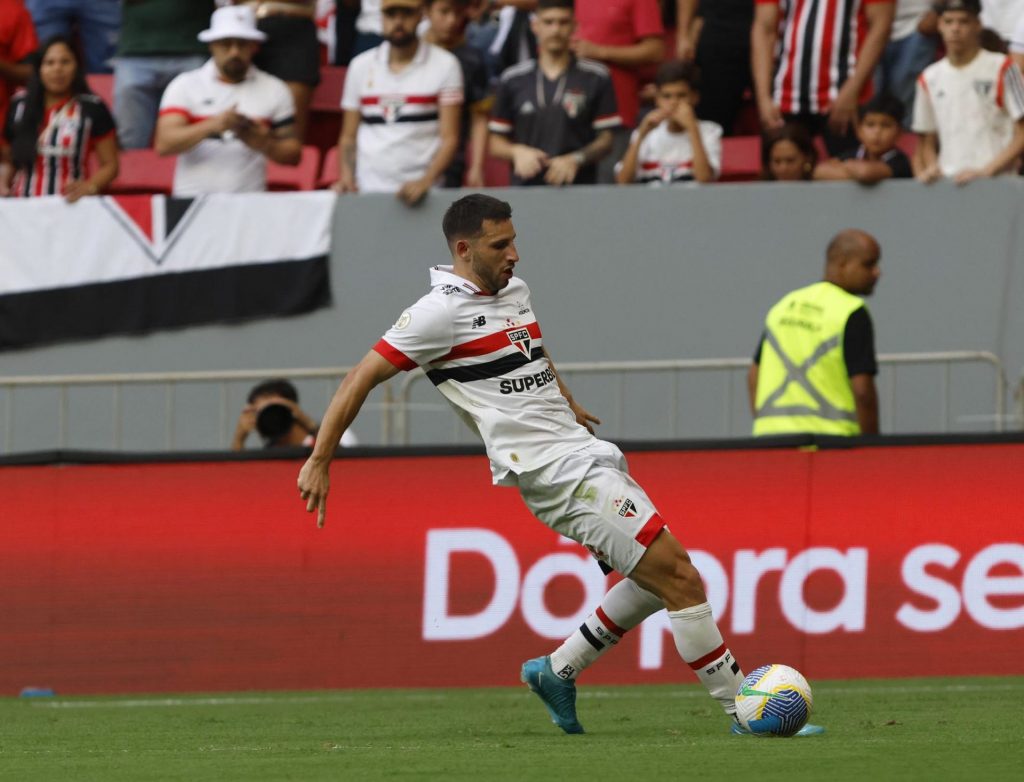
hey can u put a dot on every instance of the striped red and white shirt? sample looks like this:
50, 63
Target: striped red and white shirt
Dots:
400, 129
485, 354
818, 44
70, 131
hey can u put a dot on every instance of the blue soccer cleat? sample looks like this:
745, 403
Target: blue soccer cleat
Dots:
558, 695
806, 730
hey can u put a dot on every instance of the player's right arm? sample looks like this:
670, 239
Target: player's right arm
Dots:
314, 479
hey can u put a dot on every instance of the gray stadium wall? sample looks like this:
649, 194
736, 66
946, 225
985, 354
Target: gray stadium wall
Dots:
616, 274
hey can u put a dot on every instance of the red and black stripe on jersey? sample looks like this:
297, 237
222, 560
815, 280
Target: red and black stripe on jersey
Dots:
69, 134
817, 52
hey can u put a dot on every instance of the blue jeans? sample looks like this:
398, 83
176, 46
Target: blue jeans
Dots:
138, 84
901, 64
98, 21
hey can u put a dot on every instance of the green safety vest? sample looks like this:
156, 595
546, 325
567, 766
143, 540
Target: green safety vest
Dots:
802, 383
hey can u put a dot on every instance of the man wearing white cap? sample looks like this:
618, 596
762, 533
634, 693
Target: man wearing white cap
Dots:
225, 119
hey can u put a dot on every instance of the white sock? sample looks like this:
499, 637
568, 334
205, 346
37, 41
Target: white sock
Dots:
624, 607
700, 644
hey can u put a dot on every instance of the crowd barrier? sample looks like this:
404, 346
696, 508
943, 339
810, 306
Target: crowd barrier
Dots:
901, 558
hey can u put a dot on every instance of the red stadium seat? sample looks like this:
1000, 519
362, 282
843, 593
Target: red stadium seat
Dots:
143, 171
741, 159
300, 177
103, 85
327, 95
329, 170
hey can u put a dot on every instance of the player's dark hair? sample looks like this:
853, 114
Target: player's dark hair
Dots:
675, 71
465, 217
276, 387
883, 103
544, 5
27, 124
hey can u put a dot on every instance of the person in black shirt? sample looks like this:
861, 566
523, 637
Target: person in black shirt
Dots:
553, 116
448, 20
877, 157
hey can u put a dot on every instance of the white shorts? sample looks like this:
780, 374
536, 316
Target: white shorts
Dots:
589, 496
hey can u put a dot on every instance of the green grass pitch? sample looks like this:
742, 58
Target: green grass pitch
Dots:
908, 729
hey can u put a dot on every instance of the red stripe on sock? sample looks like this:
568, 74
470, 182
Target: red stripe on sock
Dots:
608, 623
710, 657
645, 537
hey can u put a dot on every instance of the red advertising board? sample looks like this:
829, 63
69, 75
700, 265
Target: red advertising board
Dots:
883, 561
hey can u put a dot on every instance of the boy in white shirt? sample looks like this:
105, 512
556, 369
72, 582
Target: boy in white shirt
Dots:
969, 108
670, 144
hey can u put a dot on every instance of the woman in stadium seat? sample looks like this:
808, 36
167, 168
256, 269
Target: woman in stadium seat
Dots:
788, 154
54, 127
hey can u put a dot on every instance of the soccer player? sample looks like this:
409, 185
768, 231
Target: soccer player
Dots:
476, 336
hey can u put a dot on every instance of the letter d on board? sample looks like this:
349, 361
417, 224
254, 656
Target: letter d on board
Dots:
438, 624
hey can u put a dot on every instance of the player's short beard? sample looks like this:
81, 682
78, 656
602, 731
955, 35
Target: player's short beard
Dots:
234, 68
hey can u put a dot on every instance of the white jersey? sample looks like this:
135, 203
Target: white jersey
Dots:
666, 157
973, 109
225, 164
485, 355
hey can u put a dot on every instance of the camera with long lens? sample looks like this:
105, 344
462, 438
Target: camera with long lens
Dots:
274, 421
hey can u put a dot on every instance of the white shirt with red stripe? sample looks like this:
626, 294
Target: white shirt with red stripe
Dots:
485, 355
973, 109
225, 164
817, 51
400, 129
666, 157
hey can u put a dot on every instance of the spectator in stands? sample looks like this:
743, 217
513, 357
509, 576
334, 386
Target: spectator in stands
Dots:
671, 144
54, 127
158, 42
788, 154
877, 157
17, 43
97, 22
402, 102
369, 27
291, 51
1017, 44
969, 109
448, 20
273, 411
908, 52
628, 37
815, 366
823, 69
554, 116
722, 53
227, 118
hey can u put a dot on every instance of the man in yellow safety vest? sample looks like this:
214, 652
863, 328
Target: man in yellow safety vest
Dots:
814, 371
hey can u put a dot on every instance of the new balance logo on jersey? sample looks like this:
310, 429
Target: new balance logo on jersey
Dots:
520, 384
478, 322
625, 507
521, 339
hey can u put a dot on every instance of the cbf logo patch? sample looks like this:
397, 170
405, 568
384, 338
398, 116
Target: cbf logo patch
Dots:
625, 507
573, 102
390, 106
521, 339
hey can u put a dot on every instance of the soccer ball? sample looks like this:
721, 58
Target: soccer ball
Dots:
774, 700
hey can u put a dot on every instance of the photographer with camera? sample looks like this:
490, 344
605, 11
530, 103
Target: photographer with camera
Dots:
273, 411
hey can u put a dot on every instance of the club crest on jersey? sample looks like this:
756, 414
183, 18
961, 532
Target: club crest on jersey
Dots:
521, 339
625, 507
573, 102
390, 105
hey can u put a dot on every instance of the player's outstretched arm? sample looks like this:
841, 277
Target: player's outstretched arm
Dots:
314, 478
583, 418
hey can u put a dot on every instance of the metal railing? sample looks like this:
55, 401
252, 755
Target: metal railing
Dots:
395, 408
677, 367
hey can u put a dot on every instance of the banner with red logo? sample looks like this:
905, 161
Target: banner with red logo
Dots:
137, 264
882, 561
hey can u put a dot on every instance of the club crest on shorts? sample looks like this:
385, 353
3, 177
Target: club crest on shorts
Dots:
625, 507
521, 339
